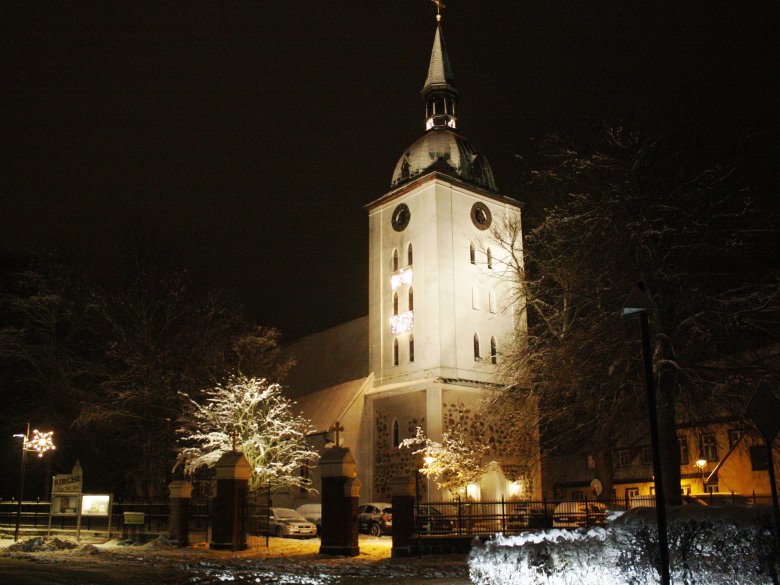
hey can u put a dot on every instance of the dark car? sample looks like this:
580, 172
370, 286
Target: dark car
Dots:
376, 518
429, 520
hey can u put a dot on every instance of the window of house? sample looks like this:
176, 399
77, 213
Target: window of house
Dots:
474, 298
708, 447
590, 461
493, 351
493, 304
632, 492
685, 455
395, 260
623, 457
734, 436
476, 347
411, 348
647, 456
409, 254
395, 352
472, 253
396, 433
395, 303
759, 458
411, 299
489, 259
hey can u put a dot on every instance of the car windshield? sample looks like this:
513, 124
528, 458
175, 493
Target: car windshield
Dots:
287, 513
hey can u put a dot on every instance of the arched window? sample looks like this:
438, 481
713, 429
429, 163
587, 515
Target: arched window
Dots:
395, 352
396, 433
395, 260
411, 298
472, 253
409, 255
474, 298
493, 351
493, 304
395, 303
476, 348
489, 259
411, 349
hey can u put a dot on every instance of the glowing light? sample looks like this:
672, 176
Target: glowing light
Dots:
401, 278
515, 488
451, 123
429, 460
701, 463
40, 442
473, 491
402, 323
429, 123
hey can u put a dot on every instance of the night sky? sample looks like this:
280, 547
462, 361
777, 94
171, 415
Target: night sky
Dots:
244, 138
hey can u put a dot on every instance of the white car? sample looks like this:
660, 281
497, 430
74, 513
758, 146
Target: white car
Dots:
288, 522
313, 513
578, 514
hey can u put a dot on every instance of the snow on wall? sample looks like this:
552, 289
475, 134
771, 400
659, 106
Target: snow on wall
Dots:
731, 545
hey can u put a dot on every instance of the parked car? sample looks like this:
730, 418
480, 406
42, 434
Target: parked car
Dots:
376, 518
429, 520
577, 514
529, 515
313, 513
288, 522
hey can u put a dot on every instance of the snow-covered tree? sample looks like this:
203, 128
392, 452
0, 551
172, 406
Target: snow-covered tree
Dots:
453, 463
254, 417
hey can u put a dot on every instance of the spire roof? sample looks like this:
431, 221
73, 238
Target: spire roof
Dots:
439, 70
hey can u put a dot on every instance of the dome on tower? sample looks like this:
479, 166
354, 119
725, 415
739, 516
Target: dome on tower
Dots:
442, 150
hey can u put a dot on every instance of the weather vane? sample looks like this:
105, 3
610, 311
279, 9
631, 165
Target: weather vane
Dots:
439, 7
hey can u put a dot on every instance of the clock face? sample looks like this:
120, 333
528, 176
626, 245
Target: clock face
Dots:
480, 216
401, 217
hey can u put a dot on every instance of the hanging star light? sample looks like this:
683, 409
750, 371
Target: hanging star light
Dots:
40, 442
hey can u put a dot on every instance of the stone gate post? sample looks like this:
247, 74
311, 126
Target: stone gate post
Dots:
228, 525
340, 492
178, 524
402, 489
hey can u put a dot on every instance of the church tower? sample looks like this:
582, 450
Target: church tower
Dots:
439, 287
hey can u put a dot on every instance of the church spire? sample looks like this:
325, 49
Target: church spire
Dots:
439, 91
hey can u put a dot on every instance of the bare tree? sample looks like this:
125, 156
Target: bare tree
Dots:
627, 208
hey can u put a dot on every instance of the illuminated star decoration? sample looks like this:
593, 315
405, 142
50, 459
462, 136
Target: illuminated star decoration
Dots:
40, 442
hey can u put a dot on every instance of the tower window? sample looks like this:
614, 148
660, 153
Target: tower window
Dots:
396, 433
405, 169
395, 260
493, 351
476, 348
395, 352
411, 299
493, 304
411, 349
472, 253
409, 255
395, 303
474, 298
489, 259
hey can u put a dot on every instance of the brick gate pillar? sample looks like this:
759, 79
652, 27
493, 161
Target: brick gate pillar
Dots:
402, 489
340, 492
178, 523
228, 523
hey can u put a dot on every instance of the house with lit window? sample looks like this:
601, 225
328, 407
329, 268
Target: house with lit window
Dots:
439, 313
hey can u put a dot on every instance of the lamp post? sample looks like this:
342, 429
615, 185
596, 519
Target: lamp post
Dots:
701, 463
638, 303
39, 443
428, 462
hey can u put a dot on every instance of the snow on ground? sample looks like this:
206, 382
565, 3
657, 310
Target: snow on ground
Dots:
283, 561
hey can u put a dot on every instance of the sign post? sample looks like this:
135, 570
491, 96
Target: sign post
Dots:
66, 493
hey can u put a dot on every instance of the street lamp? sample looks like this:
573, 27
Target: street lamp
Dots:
701, 464
40, 443
638, 303
428, 462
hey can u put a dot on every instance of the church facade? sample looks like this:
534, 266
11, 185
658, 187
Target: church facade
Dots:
440, 312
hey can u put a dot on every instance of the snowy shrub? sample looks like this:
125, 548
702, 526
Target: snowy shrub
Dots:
708, 546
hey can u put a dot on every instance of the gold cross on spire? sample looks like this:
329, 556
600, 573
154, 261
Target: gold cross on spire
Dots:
439, 7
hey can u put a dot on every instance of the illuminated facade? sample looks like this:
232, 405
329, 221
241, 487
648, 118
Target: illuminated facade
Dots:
439, 310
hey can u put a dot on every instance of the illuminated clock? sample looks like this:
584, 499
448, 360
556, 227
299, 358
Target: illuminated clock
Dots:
401, 217
480, 216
